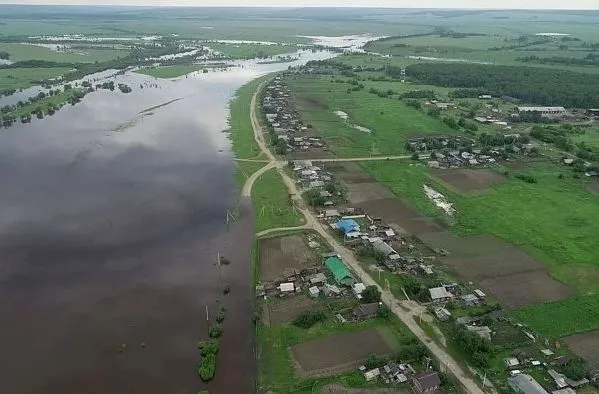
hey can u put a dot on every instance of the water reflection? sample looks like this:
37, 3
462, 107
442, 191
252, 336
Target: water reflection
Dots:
110, 226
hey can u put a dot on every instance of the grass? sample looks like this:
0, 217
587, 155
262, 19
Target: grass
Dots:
167, 72
571, 316
240, 125
22, 78
541, 218
250, 51
272, 205
19, 52
391, 120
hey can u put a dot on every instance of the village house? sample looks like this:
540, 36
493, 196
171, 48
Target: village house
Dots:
340, 272
426, 382
366, 311
468, 300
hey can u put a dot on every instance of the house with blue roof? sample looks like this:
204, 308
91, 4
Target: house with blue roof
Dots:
347, 226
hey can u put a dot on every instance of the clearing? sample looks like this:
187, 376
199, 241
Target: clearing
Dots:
466, 180
340, 352
280, 254
509, 274
586, 346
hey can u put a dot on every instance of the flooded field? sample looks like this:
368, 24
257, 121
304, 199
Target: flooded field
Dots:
113, 215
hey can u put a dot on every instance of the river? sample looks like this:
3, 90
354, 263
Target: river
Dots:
110, 227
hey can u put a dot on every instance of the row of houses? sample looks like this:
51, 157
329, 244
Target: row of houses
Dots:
284, 119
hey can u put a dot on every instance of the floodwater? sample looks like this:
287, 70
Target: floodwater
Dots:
110, 226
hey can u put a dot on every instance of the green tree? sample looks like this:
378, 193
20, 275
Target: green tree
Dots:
371, 294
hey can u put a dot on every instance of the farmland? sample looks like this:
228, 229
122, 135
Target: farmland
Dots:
317, 99
558, 319
21, 52
250, 51
21, 78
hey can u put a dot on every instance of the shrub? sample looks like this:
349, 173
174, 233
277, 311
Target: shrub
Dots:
526, 178
220, 317
375, 362
309, 318
208, 347
207, 367
226, 289
215, 331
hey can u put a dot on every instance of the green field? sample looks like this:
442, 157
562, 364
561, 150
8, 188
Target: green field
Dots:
45, 103
250, 51
21, 78
20, 52
558, 319
272, 206
167, 72
391, 120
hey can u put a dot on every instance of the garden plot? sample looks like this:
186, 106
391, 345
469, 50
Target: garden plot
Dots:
288, 308
278, 255
340, 352
466, 180
504, 270
586, 346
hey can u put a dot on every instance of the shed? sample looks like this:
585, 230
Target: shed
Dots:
479, 293
482, 331
340, 272
558, 378
426, 382
357, 289
318, 278
366, 311
442, 314
383, 247
525, 384
314, 291
287, 287
330, 290
440, 294
511, 362
469, 300
332, 213
372, 374
348, 225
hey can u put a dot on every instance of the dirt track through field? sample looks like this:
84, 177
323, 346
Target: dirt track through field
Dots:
406, 311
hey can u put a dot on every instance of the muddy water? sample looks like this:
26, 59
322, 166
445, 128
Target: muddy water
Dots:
110, 224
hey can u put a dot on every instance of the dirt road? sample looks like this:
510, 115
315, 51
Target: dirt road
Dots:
406, 311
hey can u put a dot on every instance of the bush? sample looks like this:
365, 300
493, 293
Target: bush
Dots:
574, 370
215, 331
220, 317
226, 289
526, 178
207, 367
384, 312
309, 318
375, 361
208, 347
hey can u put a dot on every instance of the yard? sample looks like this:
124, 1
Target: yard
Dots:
280, 254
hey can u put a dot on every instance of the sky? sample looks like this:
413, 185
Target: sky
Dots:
477, 4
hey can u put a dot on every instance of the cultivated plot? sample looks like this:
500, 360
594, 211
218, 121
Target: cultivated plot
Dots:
504, 270
340, 352
287, 309
466, 180
281, 254
586, 346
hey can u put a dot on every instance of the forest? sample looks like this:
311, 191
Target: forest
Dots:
542, 86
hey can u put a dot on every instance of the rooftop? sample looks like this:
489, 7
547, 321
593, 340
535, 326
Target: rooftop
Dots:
438, 293
525, 384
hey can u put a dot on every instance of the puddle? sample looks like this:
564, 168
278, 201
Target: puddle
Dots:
345, 117
439, 200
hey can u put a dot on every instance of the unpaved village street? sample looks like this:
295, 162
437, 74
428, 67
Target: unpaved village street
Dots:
406, 311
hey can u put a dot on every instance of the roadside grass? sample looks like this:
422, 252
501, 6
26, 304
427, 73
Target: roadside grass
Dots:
551, 219
571, 316
245, 169
250, 51
22, 78
20, 52
167, 72
272, 205
391, 120
240, 125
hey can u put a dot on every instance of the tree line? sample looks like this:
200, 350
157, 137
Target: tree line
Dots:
541, 86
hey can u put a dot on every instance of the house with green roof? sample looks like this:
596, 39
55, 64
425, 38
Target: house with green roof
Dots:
339, 270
